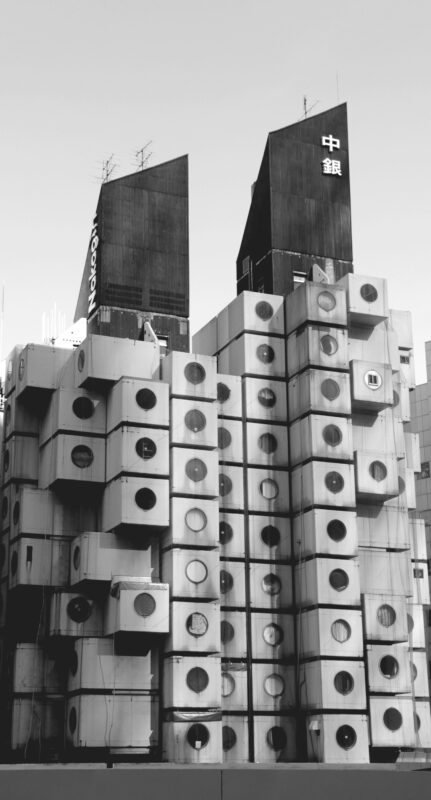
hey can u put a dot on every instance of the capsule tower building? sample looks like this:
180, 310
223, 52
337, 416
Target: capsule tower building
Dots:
213, 556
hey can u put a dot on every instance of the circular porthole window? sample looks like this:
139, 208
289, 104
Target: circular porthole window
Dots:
146, 399
6, 460
227, 684
339, 580
386, 615
266, 397
273, 685
271, 584
7, 416
81, 360
341, 630
336, 530
276, 738
264, 310
197, 624
146, 448
334, 482
368, 293
226, 581
4, 507
413, 671
392, 719
73, 719
14, 563
83, 407
332, 435
197, 679
196, 571
346, 737
372, 379
195, 420
196, 520
270, 536
389, 667
79, 609
229, 738
77, 557
416, 721
343, 682
265, 353
224, 438
269, 489
16, 513
328, 344
73, 664
82, 456
223, 392
396, 398
273, 635
227, 631
378, 471
330, 389
326, 301
196, 470
225, 485
267, 443
145, 499
144, 604
225, 532
198, 736
21, 369
194, 373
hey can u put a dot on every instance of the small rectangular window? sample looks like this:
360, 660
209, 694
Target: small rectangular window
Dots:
404, 359
425, 470
418, 573
245, 265
373, 380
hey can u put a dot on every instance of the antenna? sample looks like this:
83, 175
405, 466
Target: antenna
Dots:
108, 168
306, 108
142, 157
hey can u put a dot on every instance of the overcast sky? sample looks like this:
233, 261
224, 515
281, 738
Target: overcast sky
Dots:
81, 79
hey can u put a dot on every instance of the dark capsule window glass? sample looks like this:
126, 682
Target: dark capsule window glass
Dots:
73, 664
328, 344
332, 435
225, 532
267, 443
144, 604
197, 624
264, 310
265, 353
4, 507
330, 389
266, 397
416, 721
369, 293
197, 679
389, 667
270, 536
82, 456
145, 499
343, 682
226, 581
273, 635
146, 448
336, 530
228, 737
6, 460
77, 557
346, 737
81, 360
79, 609
14, 563
227, 631
7, 416
378, 471
196, 470
326, 301
341, 630
195, 420
2, 555
223, 392
16, 512
73, 719
271, 584
386, 615
83, 407
198, 736
224, 438
146, 399
334, 482
339, 579
194, 373
392, 719
225, 485
276, 738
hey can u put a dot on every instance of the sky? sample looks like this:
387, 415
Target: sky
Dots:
83, 79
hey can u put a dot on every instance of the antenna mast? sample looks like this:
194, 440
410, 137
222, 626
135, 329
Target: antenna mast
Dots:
108, 168
142, 157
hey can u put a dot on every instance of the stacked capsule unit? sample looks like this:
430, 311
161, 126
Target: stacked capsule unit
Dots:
190, 564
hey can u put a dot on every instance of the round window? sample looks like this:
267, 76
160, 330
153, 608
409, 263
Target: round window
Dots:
386, 615
79, 609
392, 719
265, 353
194, 373
73, 664
346, 737
269, 489
326, 301
73, 719
410, 623
389, 667
266, 397
145, 499
273, 635
332, 435
197, 679
144, 604
82, 456
81, 360
264, 310
227, 684
369, 293
226, 581
4, 507
343, 682
83, 407
6, 460
270, 536
15, 513
339, 579
328, 344
273, 685
396, 398
7, 416
271, 584
223, 392
341, 630
372, 379
146, 399
196, 520
276, 738
413, 671
196, 470
228, 737
76, 557
225, 532
197, 624
378, 470
195, 420
21, 369
14, 563
336, 530
146, 448
196, 571
198, 736
2, 556
224, 438
268, 443
334, 482
330, 389
225, 485
227, 631
416, 721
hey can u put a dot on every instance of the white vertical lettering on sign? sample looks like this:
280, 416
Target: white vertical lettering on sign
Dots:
92, 279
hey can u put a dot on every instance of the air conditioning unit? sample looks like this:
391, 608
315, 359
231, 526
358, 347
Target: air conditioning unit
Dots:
190, 375
419, 674
137, 402
272, 636
407, 368
232, 583
136, 605
137, 451
319, 436
385, 617
316, 302
193, 423
384, 572
194, 472
35, 671
229, 396
101, 361
335, 685
235, 739
416, 625
18, 419
265, 400
191, 682
330, 633
106, 720
193, 737
376, 476
4, 556
21, 459
267, 445
374, 344
274, 739
98, 556
416, 533
323, 483
74, 411
254, 355
39, 369
413, 453
274, 688
233, 634
11, 371
382, 526
317, 346
37, 723
389, 670
231, 488
254, 312
268, 490
420, 583
192, 574
401, 400
337, 738
38, 562
194, 523
322, 531
270, 586
327, 581
382, 432
194, 627
269, 538
422, 723
318, 390
74, 614
371, 386
367, 299
94, 667
392, 722
39, 512
142, 502
230, 441
72, 458
231, 535
234, 679
205, 340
